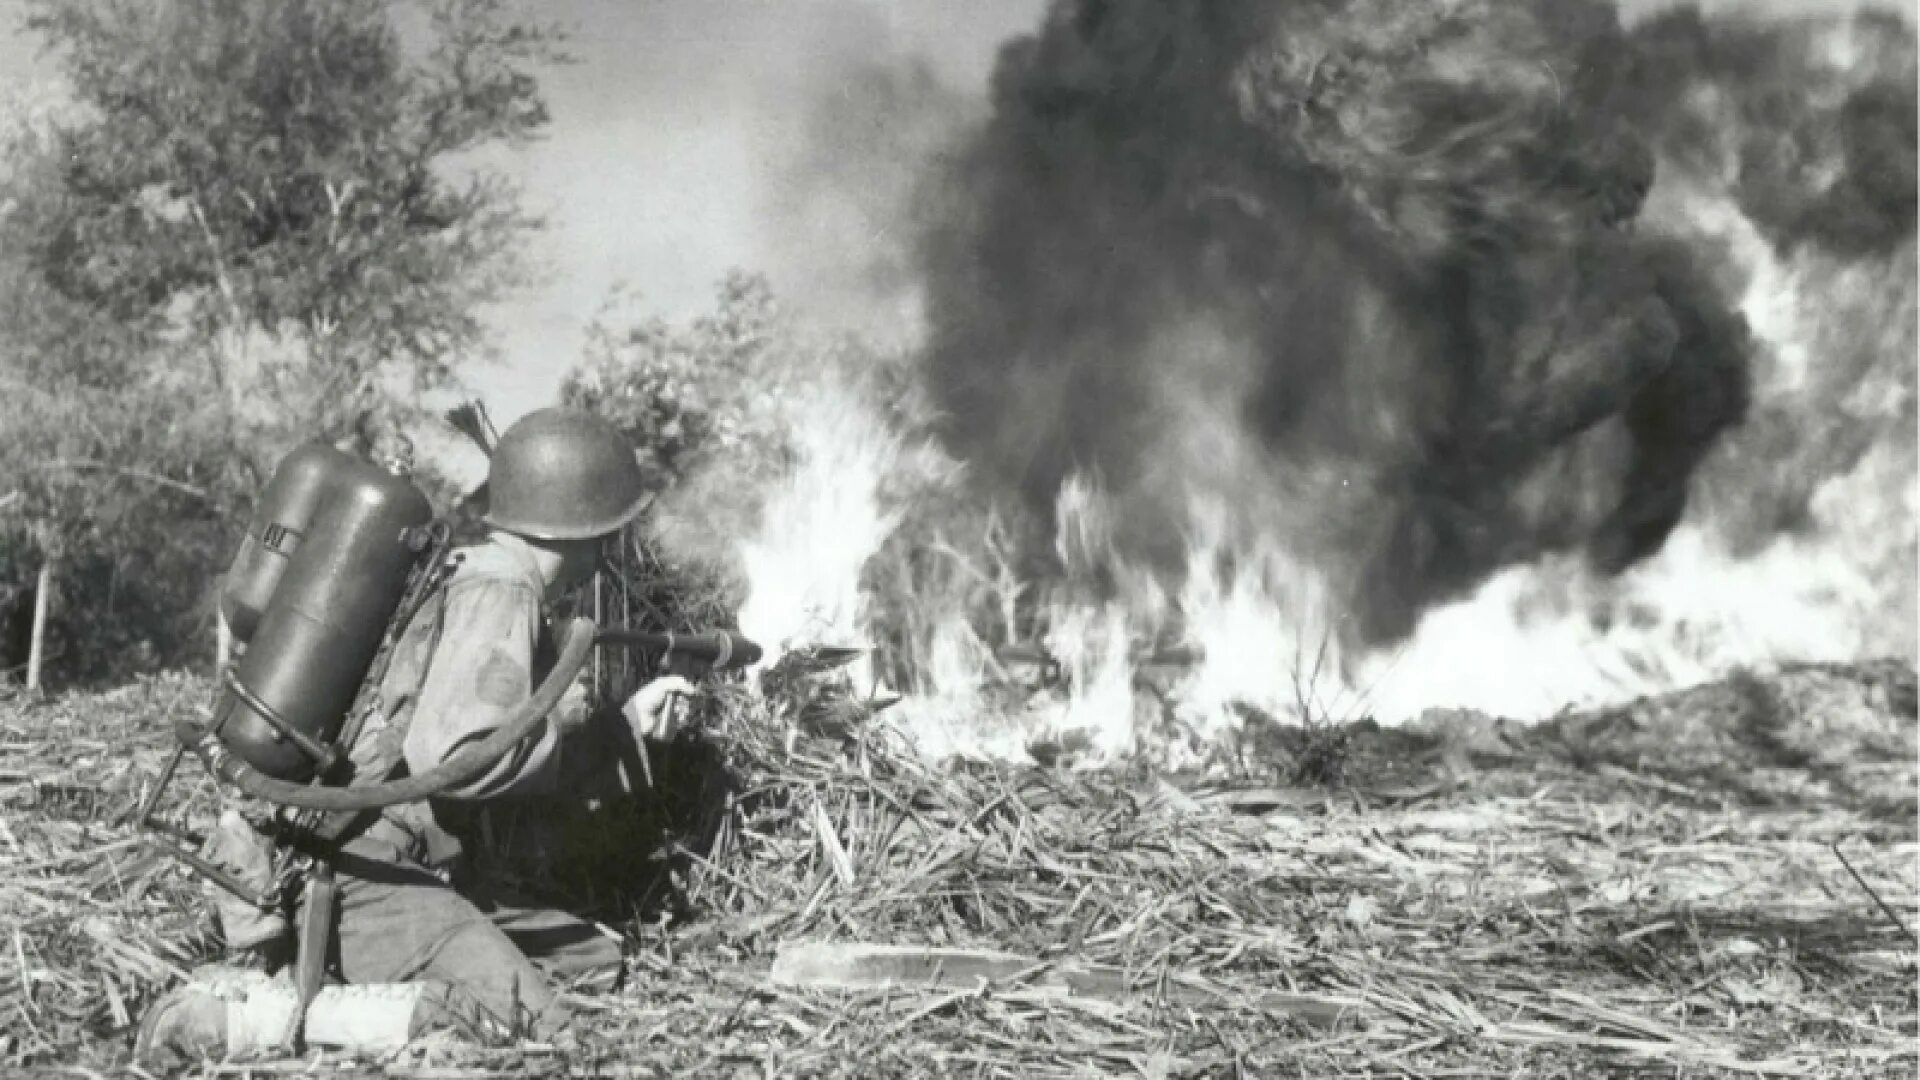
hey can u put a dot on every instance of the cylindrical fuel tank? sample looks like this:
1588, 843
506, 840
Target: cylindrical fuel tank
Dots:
319, 633
279, 523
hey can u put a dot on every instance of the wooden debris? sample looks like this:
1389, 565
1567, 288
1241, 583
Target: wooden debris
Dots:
848, 966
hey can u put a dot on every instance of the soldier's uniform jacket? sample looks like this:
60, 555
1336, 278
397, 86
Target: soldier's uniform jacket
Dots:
473, 655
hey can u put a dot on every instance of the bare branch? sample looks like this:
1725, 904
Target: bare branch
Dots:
89, 465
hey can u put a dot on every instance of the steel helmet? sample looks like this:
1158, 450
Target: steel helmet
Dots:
563, 474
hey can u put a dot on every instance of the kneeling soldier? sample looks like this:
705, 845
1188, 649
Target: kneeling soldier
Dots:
414, 951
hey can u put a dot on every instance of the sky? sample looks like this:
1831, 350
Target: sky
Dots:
669, 136
672, 134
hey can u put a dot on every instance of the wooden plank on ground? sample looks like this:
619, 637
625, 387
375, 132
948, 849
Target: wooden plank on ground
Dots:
865, 966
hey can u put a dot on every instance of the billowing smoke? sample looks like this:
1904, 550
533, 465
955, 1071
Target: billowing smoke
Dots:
840, 198
1384, 280
1810, 123
1809, 128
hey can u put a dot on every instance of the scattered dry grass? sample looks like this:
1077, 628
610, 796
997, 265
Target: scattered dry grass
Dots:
1656, 889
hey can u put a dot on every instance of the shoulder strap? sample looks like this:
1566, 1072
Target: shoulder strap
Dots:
336, 828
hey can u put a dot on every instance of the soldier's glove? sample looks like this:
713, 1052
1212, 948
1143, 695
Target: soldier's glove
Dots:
658, 710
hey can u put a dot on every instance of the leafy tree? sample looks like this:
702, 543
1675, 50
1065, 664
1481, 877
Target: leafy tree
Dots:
688, 394
258, 223
698, 402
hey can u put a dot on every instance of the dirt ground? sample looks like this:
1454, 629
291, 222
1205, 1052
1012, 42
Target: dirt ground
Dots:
1715, 882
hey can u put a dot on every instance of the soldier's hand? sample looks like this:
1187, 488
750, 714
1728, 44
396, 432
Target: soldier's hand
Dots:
658, 710
575, 700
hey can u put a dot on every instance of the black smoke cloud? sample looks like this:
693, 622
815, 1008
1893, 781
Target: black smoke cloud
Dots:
1819, 149
1809, 126
1391, 250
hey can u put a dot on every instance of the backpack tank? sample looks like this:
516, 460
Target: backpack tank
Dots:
280, 522
314, 585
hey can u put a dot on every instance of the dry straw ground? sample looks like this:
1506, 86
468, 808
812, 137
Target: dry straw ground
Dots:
1719, 882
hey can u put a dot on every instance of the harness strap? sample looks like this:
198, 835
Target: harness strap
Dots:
332, 829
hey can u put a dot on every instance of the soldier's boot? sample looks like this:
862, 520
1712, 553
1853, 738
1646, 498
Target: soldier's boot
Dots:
228, 1013
190, 1021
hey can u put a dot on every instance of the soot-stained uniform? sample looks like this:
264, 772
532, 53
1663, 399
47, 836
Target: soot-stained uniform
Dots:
471, 657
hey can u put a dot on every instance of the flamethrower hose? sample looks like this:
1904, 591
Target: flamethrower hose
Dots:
464, 765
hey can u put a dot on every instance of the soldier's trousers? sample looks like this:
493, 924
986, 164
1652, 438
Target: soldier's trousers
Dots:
398, 923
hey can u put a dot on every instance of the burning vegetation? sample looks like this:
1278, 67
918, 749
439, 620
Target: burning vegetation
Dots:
1373, 360
1286, 368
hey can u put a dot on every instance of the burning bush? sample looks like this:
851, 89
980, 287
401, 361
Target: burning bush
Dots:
1364, 357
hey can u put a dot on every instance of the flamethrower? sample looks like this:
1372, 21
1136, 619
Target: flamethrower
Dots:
340, 556
691, 655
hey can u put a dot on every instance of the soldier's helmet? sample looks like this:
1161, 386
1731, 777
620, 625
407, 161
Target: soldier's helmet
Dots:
563, 474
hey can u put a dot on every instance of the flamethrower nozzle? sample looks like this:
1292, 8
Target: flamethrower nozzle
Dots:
711, 650
819, 659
